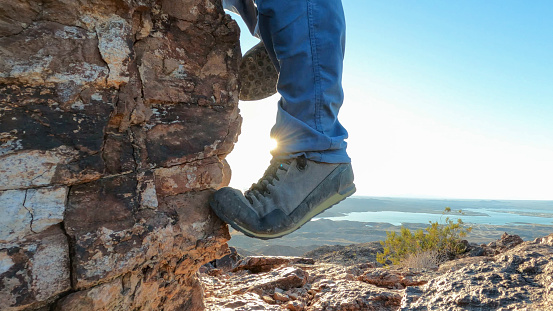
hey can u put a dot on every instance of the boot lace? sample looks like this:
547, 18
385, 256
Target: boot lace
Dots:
270, 177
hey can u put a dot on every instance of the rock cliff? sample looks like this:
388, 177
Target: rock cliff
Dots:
115, 118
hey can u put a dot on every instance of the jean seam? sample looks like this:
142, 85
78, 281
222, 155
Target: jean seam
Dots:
316, 67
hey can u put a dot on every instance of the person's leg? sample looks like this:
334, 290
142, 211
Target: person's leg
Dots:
256, 73
306, 40
310, 170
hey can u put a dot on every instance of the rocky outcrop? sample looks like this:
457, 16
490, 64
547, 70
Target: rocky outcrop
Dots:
347, 255
517, 276
518, 279
258, 264
295, 286
115, 118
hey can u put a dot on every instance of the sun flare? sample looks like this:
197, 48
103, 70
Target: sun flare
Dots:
273, 144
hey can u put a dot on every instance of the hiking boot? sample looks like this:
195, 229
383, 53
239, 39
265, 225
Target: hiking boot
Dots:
257, 74
289, 194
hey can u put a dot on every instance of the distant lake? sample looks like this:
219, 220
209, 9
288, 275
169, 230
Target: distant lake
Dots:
398, 211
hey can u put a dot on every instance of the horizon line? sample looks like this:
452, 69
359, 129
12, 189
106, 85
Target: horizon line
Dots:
443, 198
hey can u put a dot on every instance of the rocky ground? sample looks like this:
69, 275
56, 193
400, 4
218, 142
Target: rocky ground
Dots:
507, 274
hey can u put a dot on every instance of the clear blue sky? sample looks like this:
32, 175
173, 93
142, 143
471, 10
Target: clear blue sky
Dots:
443, 99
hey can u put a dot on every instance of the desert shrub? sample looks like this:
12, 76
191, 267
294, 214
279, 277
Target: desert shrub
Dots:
444, 238
424, 260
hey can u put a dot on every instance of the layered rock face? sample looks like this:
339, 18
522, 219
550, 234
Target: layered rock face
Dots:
115, 118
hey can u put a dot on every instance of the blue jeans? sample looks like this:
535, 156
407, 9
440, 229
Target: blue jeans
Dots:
306, 41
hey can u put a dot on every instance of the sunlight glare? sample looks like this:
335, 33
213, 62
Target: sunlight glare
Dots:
273, 144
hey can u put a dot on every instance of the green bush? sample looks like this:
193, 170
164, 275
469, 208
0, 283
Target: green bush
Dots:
444, 238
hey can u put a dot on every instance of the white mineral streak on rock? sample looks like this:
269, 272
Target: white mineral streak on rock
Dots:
96, 96
37, 69
32, 168
32, 70
47, 206
75, 33
25, 212
149, 196
50, 267
179, 72
114, 49
15, 221
9, 142
199, 226
6, 298
80, 74
78, 105
5, 262
39, 268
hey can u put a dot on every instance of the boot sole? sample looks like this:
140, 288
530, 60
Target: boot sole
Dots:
257, 74
328, 203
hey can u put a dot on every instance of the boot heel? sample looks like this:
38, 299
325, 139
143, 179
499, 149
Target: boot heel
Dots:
348, 191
